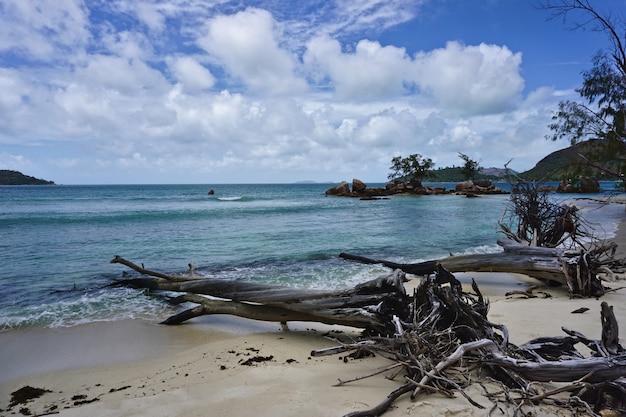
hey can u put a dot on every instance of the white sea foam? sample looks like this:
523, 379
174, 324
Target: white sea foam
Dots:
103, 305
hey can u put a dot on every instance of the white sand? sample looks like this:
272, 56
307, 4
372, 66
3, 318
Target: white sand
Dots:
137, 368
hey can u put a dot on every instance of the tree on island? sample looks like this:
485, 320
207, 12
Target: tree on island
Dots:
602, 113
412, 168
470, 168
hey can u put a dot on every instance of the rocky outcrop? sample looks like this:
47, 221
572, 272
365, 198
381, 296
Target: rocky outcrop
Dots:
342, 189
360, 189
473, 188
586, 185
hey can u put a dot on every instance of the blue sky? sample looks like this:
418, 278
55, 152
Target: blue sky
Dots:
218, 91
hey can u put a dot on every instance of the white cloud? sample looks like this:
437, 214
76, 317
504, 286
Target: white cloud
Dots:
246, 45
126, 76
371, 72
126, 44
365, 14
193, 76
42, 29
471, 79
462, 79
14, 89
150, 15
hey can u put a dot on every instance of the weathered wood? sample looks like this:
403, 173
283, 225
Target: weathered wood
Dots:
595, 369
364, 306
551, 264
448, 325
268, 313
610, 330
537, 262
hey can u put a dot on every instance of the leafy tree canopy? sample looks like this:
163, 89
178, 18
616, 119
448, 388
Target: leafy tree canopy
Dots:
413, 168
602, 112
470, 169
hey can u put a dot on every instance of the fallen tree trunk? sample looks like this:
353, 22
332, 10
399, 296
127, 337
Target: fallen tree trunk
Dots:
363, 306
551, 264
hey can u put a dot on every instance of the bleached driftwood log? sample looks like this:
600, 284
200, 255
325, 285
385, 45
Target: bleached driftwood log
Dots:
365, 306
576, 269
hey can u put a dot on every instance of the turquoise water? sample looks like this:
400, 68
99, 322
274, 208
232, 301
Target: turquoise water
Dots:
57, 241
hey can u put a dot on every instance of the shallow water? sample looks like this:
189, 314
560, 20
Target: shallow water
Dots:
56, 242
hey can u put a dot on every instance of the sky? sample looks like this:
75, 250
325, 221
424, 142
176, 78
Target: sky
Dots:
277, 91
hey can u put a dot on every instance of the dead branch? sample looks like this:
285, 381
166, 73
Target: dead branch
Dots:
576, 269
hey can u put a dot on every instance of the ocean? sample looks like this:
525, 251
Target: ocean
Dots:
56, 241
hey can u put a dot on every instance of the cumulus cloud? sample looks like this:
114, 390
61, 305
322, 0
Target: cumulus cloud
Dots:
471, 79
246, 44
192, 75
463, 79
370, 72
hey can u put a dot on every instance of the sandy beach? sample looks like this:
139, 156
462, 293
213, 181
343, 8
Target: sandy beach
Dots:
226, 366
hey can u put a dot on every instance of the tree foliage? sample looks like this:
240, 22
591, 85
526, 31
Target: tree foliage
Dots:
412, 168
470, 168
602, 112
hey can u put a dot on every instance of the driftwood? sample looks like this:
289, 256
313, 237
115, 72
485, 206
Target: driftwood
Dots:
436, 337
576, 269
364, 306
449, 330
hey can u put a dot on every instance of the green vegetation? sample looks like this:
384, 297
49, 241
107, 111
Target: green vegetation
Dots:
417, 168
581, 159
412, 168
601, 114
8, 177
453, 174
470, 169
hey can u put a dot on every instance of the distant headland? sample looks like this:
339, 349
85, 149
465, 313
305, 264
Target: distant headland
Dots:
9, 177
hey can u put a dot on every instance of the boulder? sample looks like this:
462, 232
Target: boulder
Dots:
358, 186
342, 189
483, 183
478, 187
587, 185
465, 186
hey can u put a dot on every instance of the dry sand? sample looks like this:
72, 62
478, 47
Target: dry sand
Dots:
136, 368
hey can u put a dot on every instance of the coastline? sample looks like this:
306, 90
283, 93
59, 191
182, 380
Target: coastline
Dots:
136, 368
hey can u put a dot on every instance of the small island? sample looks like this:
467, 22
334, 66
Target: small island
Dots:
9, 177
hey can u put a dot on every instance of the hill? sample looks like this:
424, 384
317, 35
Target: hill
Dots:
567, 163
8, 177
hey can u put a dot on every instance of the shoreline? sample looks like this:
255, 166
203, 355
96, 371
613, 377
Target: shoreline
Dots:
136, 367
